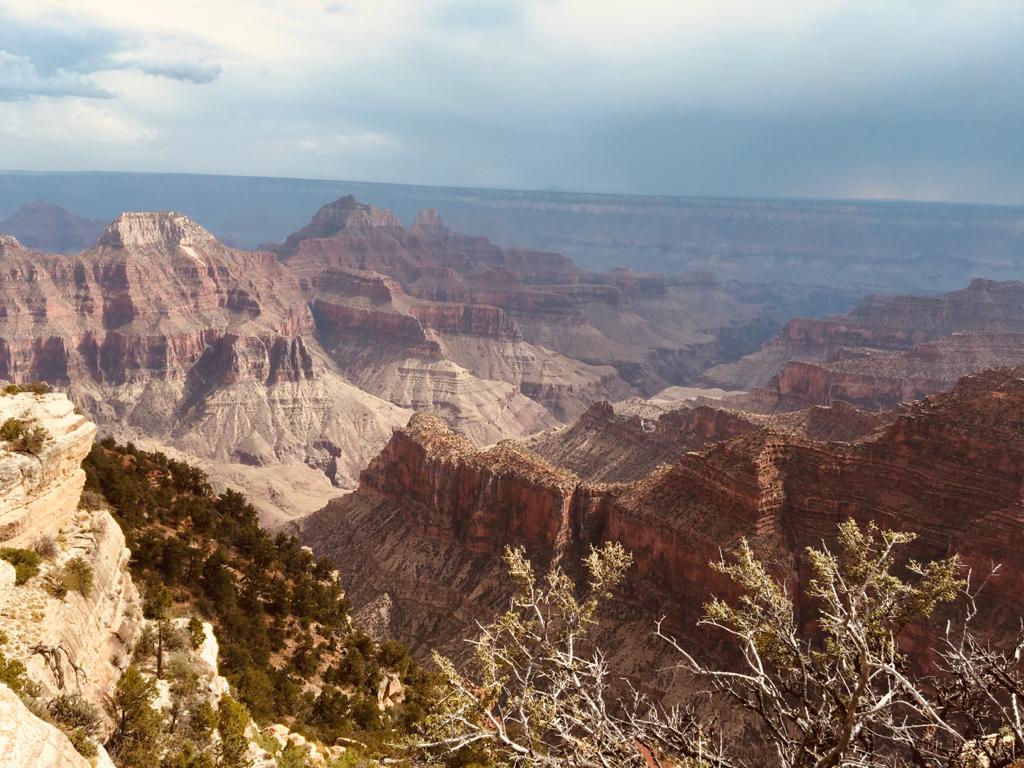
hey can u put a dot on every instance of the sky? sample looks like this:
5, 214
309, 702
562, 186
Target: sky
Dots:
907, 99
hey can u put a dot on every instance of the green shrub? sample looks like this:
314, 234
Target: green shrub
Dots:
12, 389
37, 388
196, 632
74, 713
20, 436
74, 576
12, 674
83, 744
25, 562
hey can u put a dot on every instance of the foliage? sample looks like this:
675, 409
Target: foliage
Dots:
13, 674
79, 720
279, 614
136, 740
196, 632
538, 693
232, 720
844, 694
25, 562
35, 387
74, 576
45, 546
21, 436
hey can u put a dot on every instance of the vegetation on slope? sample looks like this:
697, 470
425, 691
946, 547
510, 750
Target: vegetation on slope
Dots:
287, 645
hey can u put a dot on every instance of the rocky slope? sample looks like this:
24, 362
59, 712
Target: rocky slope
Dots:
28, 742
562, 336
162, 332
432, 513
79, 641
51, 228
887, 350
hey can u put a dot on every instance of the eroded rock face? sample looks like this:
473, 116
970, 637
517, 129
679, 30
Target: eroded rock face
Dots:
433, 514
39, 493
28, 742
887, 350
80, 641
562, 336
159, 331
606, 447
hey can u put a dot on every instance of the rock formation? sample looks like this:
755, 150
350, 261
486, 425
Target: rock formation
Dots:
432, 513
48, 227
562, 336
603, 446
28, 742
887, 350
161, 332
74, 642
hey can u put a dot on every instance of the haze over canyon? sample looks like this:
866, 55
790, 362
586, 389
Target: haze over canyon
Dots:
410, 399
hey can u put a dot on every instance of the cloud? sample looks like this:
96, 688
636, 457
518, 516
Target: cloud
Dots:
196, 71
723, 97
69, 122
20, 79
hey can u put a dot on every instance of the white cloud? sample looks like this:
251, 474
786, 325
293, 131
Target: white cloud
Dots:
19, 79
69, 122
688, 96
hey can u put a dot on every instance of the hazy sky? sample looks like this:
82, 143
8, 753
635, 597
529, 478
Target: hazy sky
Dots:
918, 99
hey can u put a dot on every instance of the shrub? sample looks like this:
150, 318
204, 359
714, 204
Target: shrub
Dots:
91, 499
25, 562
82, 743
12, 674
12, 389
135, 740
74, 576
45, 546
233, 719
37, 388
74, 712
196, 632
19, 436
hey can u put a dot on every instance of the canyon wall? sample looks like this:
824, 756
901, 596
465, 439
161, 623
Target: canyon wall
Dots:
79, 641
432, 514
887, 350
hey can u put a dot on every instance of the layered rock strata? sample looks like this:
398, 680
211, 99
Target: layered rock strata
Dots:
433, 514
887, 350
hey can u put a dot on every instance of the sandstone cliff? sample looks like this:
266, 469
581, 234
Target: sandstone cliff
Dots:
71, 641
887, 350
432, 514
28, 742
161, 332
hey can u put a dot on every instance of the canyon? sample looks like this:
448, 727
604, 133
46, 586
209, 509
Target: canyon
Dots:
843, 247
472, 396
887, 350
297, 360
433, 512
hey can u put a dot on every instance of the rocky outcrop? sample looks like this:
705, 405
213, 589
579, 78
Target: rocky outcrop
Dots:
77, 640
39, 493
887, 350
432, 513
28, 742
82, 639
606, 447
48, 227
